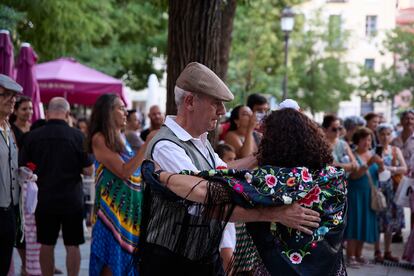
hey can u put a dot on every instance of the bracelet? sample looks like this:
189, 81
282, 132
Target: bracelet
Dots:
157, 174
168, 179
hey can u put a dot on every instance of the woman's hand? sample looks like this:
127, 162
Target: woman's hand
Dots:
252, 123
375, 159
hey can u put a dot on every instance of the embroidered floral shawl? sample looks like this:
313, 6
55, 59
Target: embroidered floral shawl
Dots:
321, 190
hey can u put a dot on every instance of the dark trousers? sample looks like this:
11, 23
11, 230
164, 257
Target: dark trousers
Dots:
159, 261
7, 238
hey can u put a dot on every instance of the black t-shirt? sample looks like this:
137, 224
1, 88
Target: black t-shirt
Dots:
18, 133
144, 134
57, 151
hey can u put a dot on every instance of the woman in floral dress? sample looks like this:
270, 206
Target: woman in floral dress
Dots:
392, 219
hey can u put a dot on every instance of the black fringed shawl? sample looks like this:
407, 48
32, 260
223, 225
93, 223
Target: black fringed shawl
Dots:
183, 228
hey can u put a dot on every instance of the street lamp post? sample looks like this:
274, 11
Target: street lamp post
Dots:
287, 22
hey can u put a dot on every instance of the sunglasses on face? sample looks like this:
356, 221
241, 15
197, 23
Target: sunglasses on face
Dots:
8, 94
336, 129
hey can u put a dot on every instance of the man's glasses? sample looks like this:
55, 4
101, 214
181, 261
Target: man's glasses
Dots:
8, 94
336, 129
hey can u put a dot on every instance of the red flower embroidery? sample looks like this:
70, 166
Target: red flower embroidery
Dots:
295, 258
311, 197
221, 167
238, 188
31, 166
270, 180
291, 182
306, 177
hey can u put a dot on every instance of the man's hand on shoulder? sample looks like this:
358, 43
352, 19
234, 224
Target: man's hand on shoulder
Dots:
297, 217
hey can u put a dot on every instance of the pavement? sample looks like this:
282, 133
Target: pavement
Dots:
368, 270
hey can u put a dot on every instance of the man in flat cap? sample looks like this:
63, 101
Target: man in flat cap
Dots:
178, 239
9, 188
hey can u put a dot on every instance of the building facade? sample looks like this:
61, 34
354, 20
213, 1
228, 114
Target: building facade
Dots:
366, 22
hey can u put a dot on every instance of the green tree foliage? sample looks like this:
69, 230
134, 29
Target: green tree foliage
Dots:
139, 34
10, 18
387, 82
319, 79
256, 54
57, 28
118, 37
400, 42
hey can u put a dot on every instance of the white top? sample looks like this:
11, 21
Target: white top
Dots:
173, 158
228, 239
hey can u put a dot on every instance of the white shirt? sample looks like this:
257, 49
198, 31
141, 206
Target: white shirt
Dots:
228, 240
173, 158
5, 132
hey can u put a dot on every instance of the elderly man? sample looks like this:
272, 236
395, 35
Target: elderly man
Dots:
57, 151
9, 188
175, 231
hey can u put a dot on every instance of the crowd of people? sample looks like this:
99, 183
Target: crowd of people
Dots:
278, 195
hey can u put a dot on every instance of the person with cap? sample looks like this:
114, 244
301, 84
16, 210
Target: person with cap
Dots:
180, 237
9, 187
289, 103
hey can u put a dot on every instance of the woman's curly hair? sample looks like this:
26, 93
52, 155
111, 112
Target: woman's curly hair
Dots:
292, 139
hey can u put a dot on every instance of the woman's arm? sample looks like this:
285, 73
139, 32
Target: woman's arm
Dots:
353, 165
113, 161
359, 172
249, 146
402, 168
242, 149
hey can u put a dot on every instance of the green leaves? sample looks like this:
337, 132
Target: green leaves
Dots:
319, 78
391, 80
118, 37
256, 56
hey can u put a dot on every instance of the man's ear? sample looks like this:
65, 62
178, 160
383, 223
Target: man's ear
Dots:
67, 115
189, 102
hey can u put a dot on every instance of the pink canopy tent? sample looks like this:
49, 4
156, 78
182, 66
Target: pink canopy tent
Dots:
26, 77
6, 54
67, 78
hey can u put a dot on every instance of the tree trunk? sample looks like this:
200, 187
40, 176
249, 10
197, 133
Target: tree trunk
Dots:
193, 35
229, 11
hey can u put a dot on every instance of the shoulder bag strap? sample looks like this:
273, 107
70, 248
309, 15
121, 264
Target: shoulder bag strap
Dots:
371, 182
394, 156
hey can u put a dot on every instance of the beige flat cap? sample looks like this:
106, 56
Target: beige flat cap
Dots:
197, 78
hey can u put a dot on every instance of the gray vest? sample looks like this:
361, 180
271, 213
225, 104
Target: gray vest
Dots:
175, 225
8, 171
198, 159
